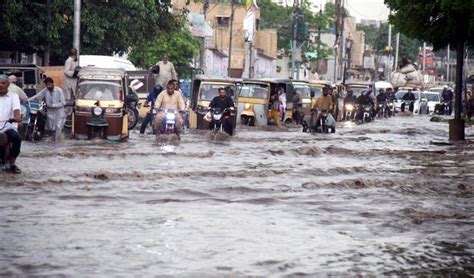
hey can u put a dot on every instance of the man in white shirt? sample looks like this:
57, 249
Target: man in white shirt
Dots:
167, 72
13, 88
10, 111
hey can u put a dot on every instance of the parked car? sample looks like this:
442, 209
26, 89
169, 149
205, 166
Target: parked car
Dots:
433, 98
420, 106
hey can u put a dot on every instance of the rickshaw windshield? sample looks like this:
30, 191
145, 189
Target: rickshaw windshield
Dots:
318, 91
303, 90
209, 91
254, 91
100, 90
357, 91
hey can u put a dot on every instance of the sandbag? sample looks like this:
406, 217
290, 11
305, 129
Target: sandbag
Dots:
398, 79
407, 69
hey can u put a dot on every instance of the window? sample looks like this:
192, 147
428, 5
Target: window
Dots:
223, 21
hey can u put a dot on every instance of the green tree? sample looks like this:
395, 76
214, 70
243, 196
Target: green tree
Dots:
180, 45
377, 38
440, 23
107, 26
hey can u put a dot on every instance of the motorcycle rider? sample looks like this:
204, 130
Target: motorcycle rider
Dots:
54, 98
324, 103
410, 97
222, 102
171, 99
382, 98
349, 99
363, 100
447, 97
151, 98
10, 109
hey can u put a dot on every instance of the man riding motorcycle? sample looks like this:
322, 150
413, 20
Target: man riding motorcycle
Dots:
324, 103
410, 97
363, 100
447, 97
382, 98
172, 99
350, 99
222, 102
151, 98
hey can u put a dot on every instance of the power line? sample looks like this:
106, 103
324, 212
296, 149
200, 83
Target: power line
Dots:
365, 16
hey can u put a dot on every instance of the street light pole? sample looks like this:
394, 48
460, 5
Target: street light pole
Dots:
77, 26
232, 11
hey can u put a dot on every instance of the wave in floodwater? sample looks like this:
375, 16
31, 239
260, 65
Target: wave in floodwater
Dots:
390, 197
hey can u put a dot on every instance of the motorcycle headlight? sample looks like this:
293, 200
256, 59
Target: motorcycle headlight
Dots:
97, 111
170, 116
349, 107
217, 116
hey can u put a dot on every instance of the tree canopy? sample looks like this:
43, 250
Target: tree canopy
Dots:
181, 46
107, 27
440, 22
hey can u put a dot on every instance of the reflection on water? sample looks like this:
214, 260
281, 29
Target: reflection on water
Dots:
382, 199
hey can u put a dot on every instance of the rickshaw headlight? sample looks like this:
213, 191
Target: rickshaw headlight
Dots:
248, 106
97, 111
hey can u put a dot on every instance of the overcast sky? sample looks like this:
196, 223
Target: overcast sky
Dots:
363, 9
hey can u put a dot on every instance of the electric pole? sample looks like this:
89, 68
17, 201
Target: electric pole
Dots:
397, 51
232, 11
319, 40
202, 53
77, 26
293, 41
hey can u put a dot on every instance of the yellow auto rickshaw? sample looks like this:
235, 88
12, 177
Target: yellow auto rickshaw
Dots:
204, 89
100, 109
255, 101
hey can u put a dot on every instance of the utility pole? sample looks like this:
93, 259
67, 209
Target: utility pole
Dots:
389, 64
424, 58
319, 41
397, 50
232, 11
339, 32
293, 42
77, 26
448, 65
202, 53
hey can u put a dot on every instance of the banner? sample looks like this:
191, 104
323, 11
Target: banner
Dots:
250, 20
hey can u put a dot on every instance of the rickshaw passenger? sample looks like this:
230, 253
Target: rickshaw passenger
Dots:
275, 109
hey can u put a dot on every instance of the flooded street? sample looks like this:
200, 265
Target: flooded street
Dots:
381, 198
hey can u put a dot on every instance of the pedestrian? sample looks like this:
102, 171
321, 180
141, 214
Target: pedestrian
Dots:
150, 102
282, 98
55, 101
275, 109
13, 88
166, 73
70, 76
9, 109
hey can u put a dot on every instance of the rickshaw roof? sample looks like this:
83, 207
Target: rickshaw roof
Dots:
19, 66
217, 79
320, 82
358, 83
107, 73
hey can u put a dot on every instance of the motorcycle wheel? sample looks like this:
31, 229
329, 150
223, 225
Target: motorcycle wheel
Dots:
325, 129
132, 118
251, 121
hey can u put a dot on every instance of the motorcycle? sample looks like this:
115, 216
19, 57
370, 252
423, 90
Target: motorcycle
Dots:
410, 103
366, 114
382, 110
318, 123
391, 108
349, 112
217, 120
132, 104
168, 125
4, 142
34, 130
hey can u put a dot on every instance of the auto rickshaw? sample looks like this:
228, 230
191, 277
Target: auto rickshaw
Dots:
255, 97
204, 89
357, 87
29, 76
100, 109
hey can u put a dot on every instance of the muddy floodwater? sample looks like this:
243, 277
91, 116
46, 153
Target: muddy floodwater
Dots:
385, 198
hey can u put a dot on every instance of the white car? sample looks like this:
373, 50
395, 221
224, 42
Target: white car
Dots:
420, 106
434, 98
